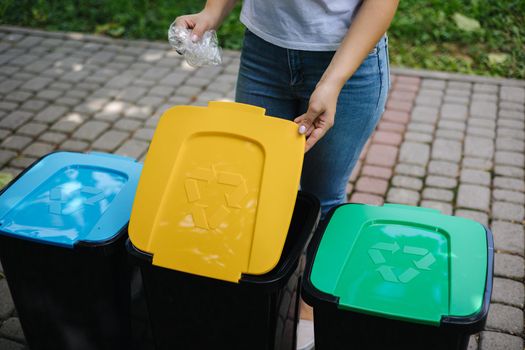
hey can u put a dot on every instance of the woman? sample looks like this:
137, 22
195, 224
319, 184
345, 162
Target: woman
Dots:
323, 64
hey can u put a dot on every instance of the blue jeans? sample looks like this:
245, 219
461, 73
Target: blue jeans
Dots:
282, 80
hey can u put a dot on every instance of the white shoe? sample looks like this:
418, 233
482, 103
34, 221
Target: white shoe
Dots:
305, 335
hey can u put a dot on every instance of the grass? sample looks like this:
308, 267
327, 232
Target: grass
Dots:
467, 36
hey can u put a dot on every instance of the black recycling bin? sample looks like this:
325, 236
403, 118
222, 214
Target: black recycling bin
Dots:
188, 311
398, 277
63, 226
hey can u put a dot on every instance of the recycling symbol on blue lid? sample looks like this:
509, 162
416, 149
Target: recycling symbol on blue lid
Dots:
422, 260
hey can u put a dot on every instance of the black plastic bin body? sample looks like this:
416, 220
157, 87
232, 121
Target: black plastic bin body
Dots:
260, 312
338, 329
73, 295
70, 299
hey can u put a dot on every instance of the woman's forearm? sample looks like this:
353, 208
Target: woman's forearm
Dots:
219, 9
371, 22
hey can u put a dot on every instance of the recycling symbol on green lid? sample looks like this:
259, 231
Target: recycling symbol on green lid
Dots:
422, 259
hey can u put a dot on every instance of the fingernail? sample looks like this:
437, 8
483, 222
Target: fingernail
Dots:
194, 37
302, 129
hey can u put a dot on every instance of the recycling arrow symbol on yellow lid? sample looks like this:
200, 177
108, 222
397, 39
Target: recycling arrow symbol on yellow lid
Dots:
387, 271
232, 200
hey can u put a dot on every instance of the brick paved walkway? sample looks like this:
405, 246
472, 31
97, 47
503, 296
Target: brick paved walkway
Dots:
446, 141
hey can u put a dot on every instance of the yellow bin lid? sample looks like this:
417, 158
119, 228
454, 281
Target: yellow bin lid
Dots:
217, 190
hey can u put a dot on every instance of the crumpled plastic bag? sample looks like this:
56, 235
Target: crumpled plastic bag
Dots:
204, 52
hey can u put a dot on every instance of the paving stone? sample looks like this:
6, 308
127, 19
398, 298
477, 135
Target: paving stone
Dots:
446, 150
510, 158
67, 101
132, 93
510, 266
9, 85
421, 127
414, 153
483, 132
451, 125
424, 100
483, 109
133, 148
6, 302
425, 114
476, 163
407, 182
444, 208
10, 345
418, 137
452, 111
138, 112
53, 137
449, 134
110, 140
18, 96
127, 124
509, 183
479, 147
473, 197
473, 342
508, 211
484, 97
22, 162
410, 170
15, 119
175, 79
517, 113
500, 341
8, 106
387, 138
508, 292
367, 198
377, 172
4, 133
388, 126
442, 168
456, 99
476, 177
151, 101
438, 194
12, 329
36, 84
51, 114
74, 145
162, 91
38, 149
505, 318
482, 123
509, 171
510, 123
6, 156
511, 93
402, 196
433, 84
91, 130
16, 142
33, 105
372, 185
381, 155
49, 94
441, 182
145, 134
478, 216
510, 133
509, 196
508, 237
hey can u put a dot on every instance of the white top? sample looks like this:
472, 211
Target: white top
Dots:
312, 25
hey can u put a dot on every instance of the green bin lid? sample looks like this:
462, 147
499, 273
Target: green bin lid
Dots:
402, 262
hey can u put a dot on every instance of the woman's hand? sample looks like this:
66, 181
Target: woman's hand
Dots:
209, 18
320, 116
198, 22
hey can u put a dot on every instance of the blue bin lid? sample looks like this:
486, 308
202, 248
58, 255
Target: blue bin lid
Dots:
66, 197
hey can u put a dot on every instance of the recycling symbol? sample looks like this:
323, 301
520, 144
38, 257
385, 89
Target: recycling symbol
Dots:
422, 260
57, 200
232, 201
